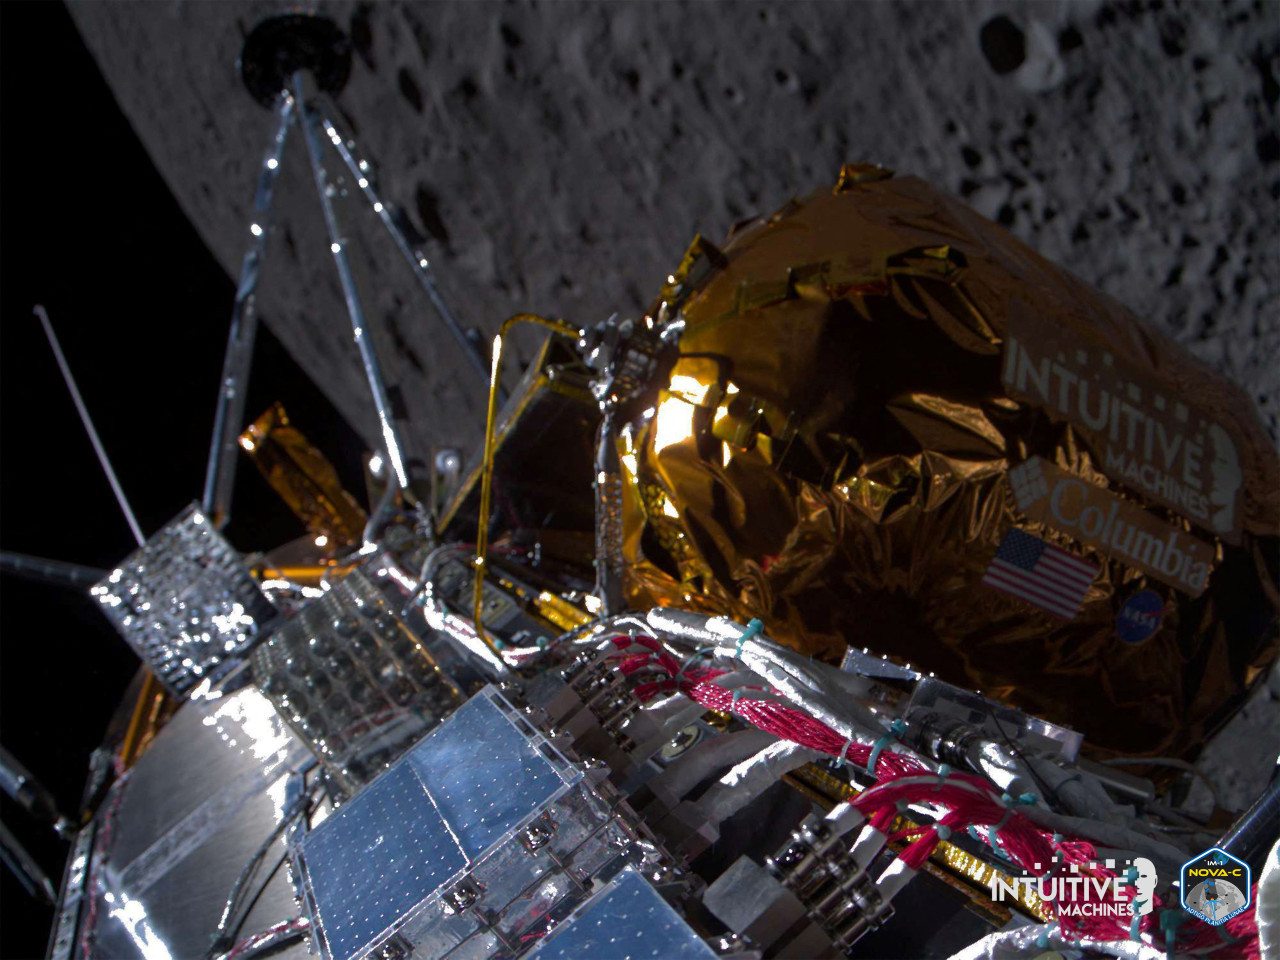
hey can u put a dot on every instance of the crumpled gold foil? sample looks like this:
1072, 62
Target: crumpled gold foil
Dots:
831, 450
305, 480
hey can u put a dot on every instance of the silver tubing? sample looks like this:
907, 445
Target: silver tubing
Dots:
70, 381
233, 389
382, 514
608, 504
312, 124
24, 867
416, 259
56, 572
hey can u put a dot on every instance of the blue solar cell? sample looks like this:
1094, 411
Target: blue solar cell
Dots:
376, 858
463, 788
629, 920
484, 775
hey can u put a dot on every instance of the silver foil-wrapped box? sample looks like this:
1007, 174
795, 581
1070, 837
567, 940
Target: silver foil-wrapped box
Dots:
184, 601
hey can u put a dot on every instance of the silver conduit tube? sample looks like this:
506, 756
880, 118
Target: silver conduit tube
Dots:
1267, 912
312, 124
1167, 858
1026, 942
846, 716
233, 388
749, 779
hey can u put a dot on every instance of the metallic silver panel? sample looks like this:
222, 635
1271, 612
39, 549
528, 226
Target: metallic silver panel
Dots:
179, 828
74, 878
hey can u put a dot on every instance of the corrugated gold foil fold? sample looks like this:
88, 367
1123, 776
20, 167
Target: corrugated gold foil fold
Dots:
830, 452
305, 479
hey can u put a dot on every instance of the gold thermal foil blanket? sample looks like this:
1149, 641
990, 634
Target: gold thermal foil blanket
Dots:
892, 425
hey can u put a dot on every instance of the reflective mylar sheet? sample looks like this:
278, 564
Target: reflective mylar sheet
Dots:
177, 830
890, 424
305, 480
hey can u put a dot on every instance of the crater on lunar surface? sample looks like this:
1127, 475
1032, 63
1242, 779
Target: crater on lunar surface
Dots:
559, 158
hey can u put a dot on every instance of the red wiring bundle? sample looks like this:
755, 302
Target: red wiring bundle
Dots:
968, 802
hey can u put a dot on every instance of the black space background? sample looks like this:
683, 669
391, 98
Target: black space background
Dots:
89, 229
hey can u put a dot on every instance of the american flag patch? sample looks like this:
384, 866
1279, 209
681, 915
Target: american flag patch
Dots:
1040, 573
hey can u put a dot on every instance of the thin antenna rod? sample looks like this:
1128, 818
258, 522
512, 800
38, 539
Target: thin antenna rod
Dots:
88, 425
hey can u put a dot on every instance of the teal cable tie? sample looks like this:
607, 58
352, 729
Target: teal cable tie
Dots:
973, 832
754, 628
895, 729
992, 839
875, 754
691, 660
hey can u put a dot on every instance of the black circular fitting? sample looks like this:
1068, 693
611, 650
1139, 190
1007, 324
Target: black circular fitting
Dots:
280, 46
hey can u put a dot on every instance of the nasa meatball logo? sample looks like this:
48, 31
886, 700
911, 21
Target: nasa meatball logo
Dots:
1140, 617
1215, 886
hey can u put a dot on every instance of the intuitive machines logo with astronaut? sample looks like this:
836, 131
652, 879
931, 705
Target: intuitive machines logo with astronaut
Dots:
1145, 434
1215, 886
1078, 889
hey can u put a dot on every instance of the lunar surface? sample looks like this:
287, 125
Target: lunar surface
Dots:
559, 157
1226, 898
